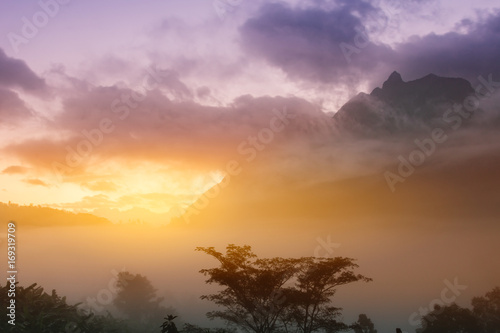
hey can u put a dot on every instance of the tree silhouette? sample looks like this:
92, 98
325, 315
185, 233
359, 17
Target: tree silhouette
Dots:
168, 325
450, 319
487, 310
256, 299
40, 312
310, 298
189, 328
136, 298
364, 325
251, 298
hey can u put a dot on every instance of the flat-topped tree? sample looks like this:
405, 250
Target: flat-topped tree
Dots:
251, 298
264, 295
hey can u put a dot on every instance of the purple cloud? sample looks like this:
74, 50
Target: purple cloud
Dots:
12, 109
15, 73
454, 54
311, 43
330, 45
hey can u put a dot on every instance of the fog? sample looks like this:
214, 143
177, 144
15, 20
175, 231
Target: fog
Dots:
408, 261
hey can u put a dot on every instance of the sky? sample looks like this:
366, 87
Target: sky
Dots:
140, 105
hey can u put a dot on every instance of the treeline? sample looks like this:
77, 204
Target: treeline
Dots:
284, 295
484, 317
39, 216
41, 312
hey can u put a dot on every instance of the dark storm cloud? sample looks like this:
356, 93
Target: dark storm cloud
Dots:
15, 73
315, 44
476, 52
330, 46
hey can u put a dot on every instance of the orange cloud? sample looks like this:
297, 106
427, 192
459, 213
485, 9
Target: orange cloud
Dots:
15, 169
113, 124
35, 181
101, 186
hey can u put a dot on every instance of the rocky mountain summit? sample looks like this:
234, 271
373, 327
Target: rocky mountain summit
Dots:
402, 106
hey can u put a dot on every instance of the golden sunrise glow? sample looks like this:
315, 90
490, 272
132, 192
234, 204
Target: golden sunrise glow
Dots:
120, 187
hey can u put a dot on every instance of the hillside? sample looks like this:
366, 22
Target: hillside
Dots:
38, 216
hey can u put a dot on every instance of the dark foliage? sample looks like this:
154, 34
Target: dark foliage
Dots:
265, 295
364, 325
40, 312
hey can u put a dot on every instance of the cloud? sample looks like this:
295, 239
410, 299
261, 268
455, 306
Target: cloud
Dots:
15, 73
335, 45
454, 54
15, 169
156, 129
306, 43
12, 109
176, 88
101, 186
89, 203
29, 150
203, 91
110, 208
166, 125
35, 181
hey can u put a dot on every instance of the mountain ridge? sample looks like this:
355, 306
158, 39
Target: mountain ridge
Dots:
401, 106
40, 216
441, 188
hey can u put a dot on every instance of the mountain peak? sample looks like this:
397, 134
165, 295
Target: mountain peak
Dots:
394, 79
403, 106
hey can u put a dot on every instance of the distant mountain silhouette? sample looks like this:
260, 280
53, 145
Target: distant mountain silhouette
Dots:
402, 106
439, 188
44, 216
